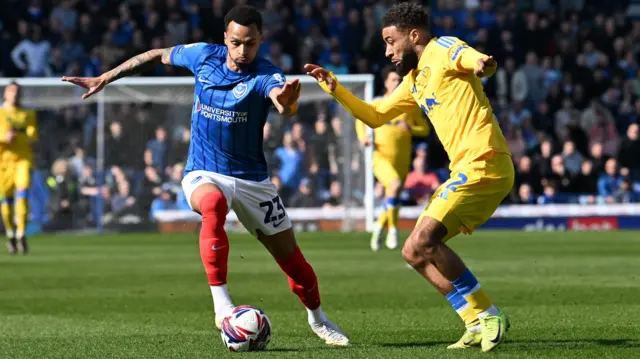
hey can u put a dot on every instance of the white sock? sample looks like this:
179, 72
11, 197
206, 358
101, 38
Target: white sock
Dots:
222, 303
393, 231
316, 316
10, 234
475, 328
491, 311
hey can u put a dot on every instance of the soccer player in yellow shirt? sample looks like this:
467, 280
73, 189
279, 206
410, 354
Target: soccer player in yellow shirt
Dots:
392, 158
443, 78
18, 131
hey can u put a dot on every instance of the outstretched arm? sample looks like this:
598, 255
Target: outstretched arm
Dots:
285, 99
135, 65
374, 115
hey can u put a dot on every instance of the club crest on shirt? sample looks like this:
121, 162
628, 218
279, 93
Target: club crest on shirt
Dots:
279, 78
240, 90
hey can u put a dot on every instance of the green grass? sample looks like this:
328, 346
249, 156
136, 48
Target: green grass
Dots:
569, 295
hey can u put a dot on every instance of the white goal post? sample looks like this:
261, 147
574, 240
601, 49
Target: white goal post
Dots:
53, 94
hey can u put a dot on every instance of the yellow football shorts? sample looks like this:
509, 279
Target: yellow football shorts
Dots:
14, 175
472, 195
386, 171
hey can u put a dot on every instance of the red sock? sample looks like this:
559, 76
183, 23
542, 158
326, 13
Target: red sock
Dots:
213, 207
302, 278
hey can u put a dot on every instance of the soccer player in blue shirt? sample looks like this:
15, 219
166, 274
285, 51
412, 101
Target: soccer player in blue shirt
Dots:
226, 167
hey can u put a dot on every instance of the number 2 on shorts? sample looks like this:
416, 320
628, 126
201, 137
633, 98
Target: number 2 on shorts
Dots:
453, 186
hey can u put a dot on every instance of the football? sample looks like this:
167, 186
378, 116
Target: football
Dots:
247, 329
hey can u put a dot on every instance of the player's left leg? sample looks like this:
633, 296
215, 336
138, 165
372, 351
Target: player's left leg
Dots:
260, 210
7, 190
303, 283
7, 220
23, 182
388, 175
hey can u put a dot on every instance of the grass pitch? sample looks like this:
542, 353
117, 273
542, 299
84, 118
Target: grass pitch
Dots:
569, 295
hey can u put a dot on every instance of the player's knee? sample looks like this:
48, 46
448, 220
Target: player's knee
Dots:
213, 205
420, 248
395, 186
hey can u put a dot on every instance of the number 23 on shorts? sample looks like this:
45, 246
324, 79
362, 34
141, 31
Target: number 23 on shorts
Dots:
269, 215
453, 186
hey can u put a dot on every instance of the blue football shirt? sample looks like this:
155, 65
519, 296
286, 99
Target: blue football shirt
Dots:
229, 111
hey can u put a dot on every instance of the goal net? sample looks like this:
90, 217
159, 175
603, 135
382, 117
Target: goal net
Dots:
110, 153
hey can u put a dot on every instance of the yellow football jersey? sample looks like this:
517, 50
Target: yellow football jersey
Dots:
391, 141
23, 121
448, 91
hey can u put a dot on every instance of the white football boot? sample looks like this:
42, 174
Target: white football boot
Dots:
376, 238
331, 334
392, 239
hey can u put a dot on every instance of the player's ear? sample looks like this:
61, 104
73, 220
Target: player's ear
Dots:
414, 36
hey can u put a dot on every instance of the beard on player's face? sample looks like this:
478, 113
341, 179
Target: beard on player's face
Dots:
408, 60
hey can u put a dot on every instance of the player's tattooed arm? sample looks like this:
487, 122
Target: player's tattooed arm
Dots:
140, 63
134, 65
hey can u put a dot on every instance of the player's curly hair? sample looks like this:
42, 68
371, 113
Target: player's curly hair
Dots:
407, 15
245, 15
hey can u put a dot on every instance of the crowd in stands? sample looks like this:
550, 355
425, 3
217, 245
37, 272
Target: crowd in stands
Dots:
567, 96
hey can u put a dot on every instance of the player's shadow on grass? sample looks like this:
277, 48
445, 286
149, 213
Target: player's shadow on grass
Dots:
414, 344
574, 343
537, 343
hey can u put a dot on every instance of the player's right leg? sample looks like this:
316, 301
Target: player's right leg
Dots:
427, 253
208, 199
22, 184
460, 205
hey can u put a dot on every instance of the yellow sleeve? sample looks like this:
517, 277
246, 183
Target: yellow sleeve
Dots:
418, 123
378, 113
4, 128
463, 58
32, 127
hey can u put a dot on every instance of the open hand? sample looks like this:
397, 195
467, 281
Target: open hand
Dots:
321, 74
482, 64
289, 93
93, 84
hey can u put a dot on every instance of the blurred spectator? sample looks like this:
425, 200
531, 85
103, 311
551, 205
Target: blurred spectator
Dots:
165, 201
587, 180
629, 152
572, 159
89, 194
335, 196
63, 196
123, 202
305, 197
525, 194
157, 150
31, 55
291, 165
609, 181
420, 184
323, 154
66, 14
